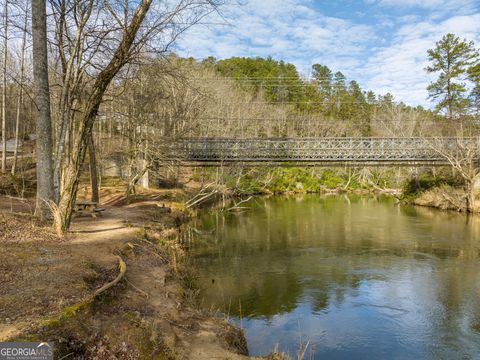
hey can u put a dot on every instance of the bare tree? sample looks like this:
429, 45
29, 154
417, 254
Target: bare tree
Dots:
42, 98
20, 90
93, 170
4, 87
108, 42
464, 156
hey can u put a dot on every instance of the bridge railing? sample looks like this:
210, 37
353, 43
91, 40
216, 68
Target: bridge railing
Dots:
413, 149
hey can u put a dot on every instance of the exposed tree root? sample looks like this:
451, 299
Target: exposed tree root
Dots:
123, 269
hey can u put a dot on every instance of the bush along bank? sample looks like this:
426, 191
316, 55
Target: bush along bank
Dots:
442, 190
287, 180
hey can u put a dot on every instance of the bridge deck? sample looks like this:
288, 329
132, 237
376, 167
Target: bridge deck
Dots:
321, 151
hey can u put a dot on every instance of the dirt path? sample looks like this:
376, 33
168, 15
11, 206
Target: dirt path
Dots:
112, 228
39, 278
44, 286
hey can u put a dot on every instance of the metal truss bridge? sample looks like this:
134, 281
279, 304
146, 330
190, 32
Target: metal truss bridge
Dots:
401, 151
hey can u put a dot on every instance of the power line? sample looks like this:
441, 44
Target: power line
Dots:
264, 79
294, 103
334, 86
332, 121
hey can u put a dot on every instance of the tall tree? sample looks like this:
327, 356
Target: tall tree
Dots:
340, 81
324, 76
474, 75
20, 90
96, 51
42, 99
451, 57
4, 87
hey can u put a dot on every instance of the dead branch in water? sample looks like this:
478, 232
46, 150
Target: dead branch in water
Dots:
201, 196
237, 206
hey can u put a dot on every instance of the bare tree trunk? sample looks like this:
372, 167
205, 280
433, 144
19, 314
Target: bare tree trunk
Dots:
93, 170
42, 98
134, 180
20, 95
4, 89
72, 172
71, 77
470, 196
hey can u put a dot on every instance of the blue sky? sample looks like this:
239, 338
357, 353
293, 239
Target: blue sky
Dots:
380, 43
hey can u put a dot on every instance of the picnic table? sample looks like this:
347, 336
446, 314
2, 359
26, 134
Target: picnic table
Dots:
89, 207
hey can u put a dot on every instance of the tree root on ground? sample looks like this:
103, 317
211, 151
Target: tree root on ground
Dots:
123, 269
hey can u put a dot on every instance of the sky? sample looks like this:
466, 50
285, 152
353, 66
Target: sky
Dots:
382, 44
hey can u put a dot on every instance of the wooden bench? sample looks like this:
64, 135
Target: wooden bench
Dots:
89, 207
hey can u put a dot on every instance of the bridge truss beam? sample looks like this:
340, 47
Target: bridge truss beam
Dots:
412, 151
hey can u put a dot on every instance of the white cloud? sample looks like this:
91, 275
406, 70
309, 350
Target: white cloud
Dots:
386, 55
399, 68
427, 4
284, 29
410, 3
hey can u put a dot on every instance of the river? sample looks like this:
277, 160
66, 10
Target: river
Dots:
343, 277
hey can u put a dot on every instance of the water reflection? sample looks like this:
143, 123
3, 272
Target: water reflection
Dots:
357, 276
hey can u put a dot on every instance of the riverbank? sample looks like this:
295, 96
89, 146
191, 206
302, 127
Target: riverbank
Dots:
437, 188
442, 198
301, 180
49, 287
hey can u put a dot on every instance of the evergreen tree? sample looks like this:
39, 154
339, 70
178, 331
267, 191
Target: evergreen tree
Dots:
452, 58
342, 98
209, 61
474, 75
276, 80
371, 97
356, 92
386, 100
324, 77
339, 81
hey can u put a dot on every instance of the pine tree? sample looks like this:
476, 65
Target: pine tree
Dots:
452, 58
474, 76
324, 77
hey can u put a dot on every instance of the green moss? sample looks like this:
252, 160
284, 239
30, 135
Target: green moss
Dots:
29, 338
23, 254
66, 313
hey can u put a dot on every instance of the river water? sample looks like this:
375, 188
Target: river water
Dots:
344, 277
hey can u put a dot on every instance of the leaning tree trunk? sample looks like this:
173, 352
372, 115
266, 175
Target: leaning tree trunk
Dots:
135, 179
42, 99
84, 131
